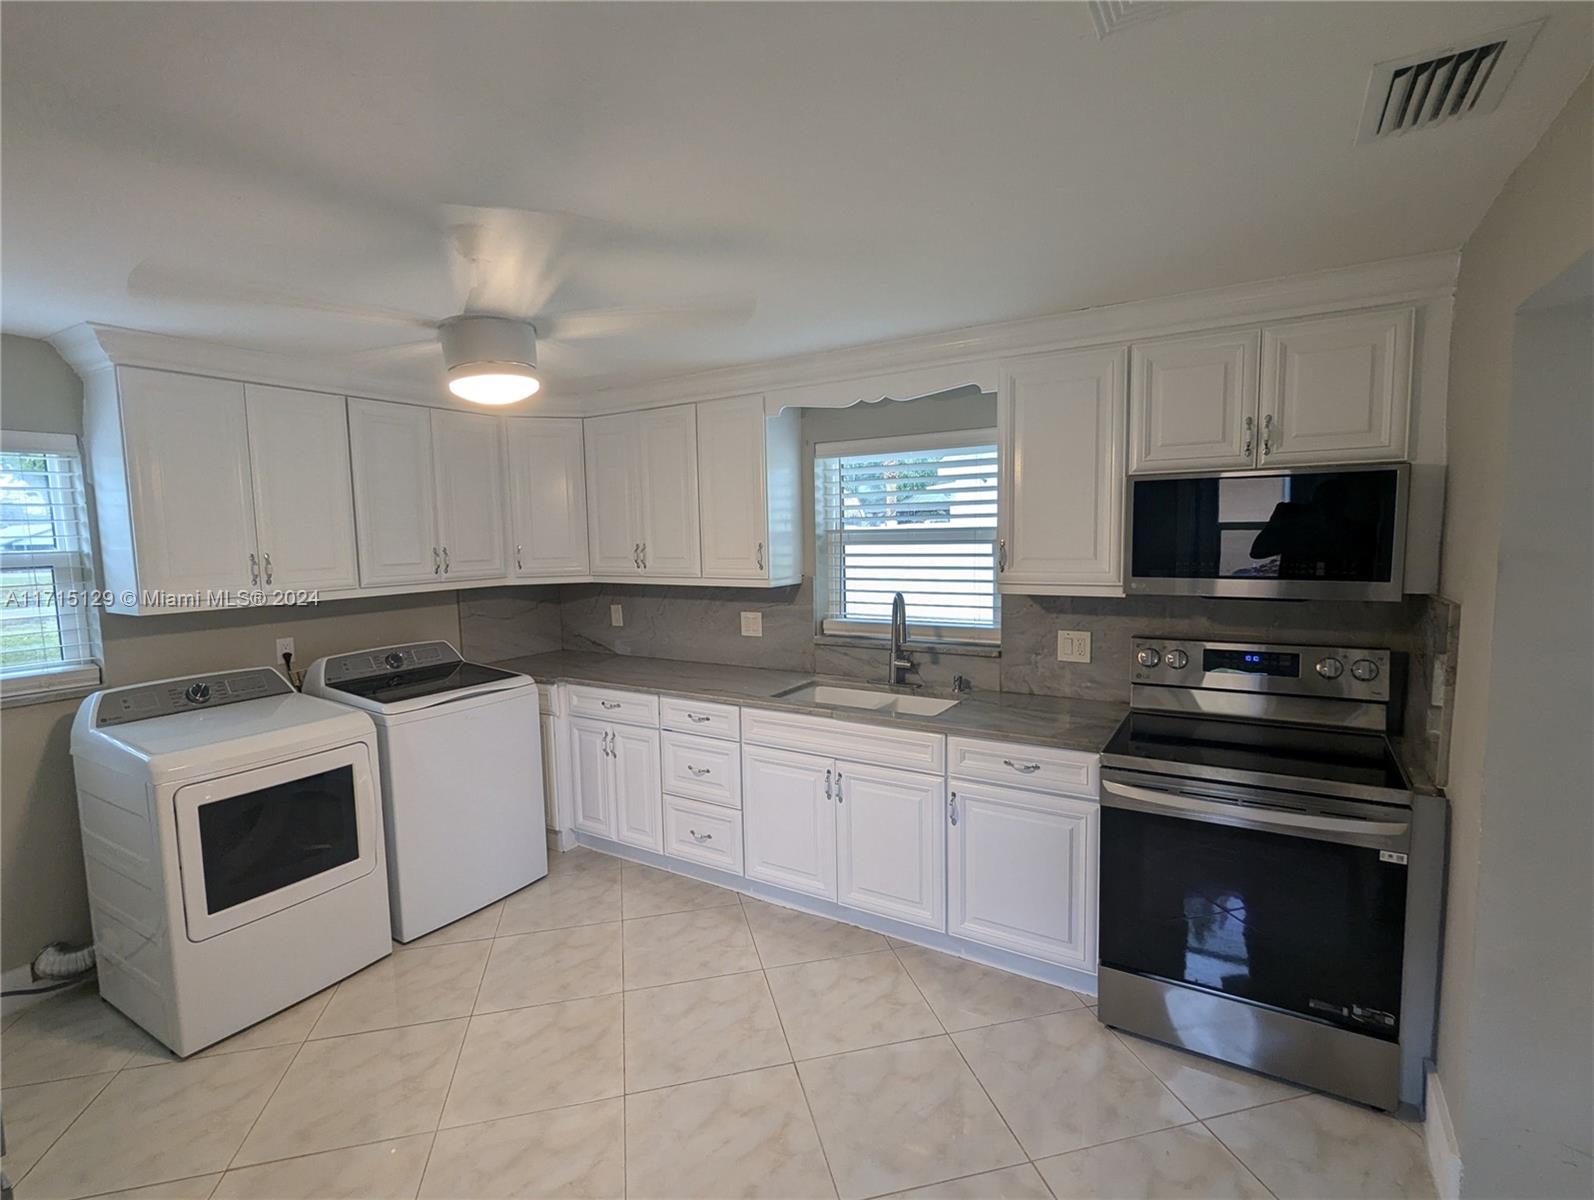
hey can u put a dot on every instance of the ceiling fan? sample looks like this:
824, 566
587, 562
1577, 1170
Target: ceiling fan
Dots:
506, 265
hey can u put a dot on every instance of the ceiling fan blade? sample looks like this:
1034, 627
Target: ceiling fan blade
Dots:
164, 283
611, 322
509, 260
393, 355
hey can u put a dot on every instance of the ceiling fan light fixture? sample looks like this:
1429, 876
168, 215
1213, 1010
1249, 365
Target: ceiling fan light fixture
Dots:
490, 360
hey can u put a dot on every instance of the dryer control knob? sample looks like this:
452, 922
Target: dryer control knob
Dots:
1330, 668
1364, 669
394, 659
1177, 659
1148, 656
198, 693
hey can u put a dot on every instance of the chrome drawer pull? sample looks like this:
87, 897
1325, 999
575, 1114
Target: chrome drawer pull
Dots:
698, 771
1022, 768
700, 837
829, 793
697, 719
609, 704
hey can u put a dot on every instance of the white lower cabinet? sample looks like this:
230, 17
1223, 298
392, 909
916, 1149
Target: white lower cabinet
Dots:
1021, 871
550, 757
789, 820
703, 833
891, 843
638, 807
590, 777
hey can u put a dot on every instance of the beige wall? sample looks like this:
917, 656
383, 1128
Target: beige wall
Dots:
1541, 223
42, 897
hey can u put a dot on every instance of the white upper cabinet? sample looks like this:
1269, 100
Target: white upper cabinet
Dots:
1060, 421
1336, 389
891, 843
669, 529
748, 491
547, 497
468, 461
190, 504
614, 494
1192, 402
303, 497
391, 451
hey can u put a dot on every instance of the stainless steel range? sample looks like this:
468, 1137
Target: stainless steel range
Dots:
1271, 885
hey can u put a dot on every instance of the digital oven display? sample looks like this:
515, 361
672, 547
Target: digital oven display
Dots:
1252, 662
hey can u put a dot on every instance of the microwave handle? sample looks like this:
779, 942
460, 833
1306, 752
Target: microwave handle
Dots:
1352, 830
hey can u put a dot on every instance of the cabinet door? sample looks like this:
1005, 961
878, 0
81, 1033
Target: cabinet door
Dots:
1192, 402
390, 446
468, 457
1021, 872
638, 798
304, 498
550, 774
1336, 389
670, 539
590, 777
891, 843
547, 496
614, 494
1061, 424
733, 502
186, 442
788, 820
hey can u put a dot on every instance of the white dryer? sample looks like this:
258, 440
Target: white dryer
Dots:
461, 755
232, 838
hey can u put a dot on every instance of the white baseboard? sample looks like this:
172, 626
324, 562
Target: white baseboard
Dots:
1439, 1136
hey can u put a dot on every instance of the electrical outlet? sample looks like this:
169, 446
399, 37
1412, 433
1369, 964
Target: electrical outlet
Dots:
616, 616
284, 646
752, 624
1073, 645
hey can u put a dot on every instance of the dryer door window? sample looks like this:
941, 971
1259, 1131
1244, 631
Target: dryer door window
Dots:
260, 841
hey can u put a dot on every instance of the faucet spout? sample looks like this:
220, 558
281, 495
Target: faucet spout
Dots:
899, 664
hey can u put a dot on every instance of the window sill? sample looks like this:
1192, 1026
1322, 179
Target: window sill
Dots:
964, 649
48, 687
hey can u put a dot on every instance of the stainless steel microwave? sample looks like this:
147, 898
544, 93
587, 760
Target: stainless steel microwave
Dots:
1316, 533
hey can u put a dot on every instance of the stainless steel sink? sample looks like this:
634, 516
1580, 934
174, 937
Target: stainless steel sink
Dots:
867, 699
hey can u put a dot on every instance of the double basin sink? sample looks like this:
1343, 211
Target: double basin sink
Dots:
866, 699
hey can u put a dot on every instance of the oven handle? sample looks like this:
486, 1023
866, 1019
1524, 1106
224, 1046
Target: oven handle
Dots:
1354, 830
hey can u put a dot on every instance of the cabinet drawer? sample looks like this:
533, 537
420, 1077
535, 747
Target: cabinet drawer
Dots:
872, 744
611, 704
697, 716
703, 768
1068, 772
703, 833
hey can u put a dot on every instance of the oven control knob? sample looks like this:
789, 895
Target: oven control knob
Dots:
1330, 668
1364, 669
1148, 656
1177, 659
394, 659
198, 693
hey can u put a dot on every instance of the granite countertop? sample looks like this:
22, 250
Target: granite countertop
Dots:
1038, 720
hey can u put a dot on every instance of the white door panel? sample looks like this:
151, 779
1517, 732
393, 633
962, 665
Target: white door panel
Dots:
732, 483
614, 494
547, 496
788, 820
1192, 402
303, 494
891, 844
670, 537
590, 777
395, 514
467, 455
638, 801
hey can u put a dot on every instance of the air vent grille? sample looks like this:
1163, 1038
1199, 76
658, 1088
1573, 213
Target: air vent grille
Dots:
1442, 85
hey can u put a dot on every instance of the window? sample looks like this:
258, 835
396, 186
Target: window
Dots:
48, 631
909, 514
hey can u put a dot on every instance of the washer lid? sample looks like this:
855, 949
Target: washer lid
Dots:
422, 682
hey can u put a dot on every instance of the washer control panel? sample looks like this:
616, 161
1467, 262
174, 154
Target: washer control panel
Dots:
120, 706
389, 660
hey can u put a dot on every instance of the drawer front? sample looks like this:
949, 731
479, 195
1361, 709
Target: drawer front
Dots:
877, 745
1065, 772
611, 704
703, 768
697, 716
703, 833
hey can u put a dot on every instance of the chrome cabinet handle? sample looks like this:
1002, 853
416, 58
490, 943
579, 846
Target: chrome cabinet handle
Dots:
608, 740
700, 838
611, 704
636, 555
840, 798
268, 569
437, 562
1267, 434
698, 771
952, 807
1250, 436
697, 719
445, 560
760, 556
254, 571
644, 556
829, 794
1001, 554
1022, 768
519, 566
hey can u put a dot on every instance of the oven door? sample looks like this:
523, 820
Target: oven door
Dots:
257, 842
1296, 903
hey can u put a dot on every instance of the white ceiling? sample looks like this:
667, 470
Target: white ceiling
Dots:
863, 171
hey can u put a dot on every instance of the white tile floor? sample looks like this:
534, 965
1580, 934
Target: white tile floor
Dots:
620, 1031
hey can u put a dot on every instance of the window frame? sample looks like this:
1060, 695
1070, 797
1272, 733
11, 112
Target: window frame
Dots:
828, 627
75, 567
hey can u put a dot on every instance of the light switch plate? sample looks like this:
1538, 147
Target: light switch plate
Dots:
616, 615
1073, 645
752, 624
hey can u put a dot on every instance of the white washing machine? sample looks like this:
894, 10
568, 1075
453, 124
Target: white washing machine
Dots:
461, 755
232, 838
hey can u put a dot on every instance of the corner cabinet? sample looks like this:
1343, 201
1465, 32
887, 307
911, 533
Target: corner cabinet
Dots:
748, 489
642, 493
547, 497
1060, 424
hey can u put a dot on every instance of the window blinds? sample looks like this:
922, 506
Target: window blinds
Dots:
48, 629
915, 515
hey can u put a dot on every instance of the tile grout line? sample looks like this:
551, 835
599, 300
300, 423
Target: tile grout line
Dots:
243, 1141
437, 1124
53, 1141
1244, 1166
